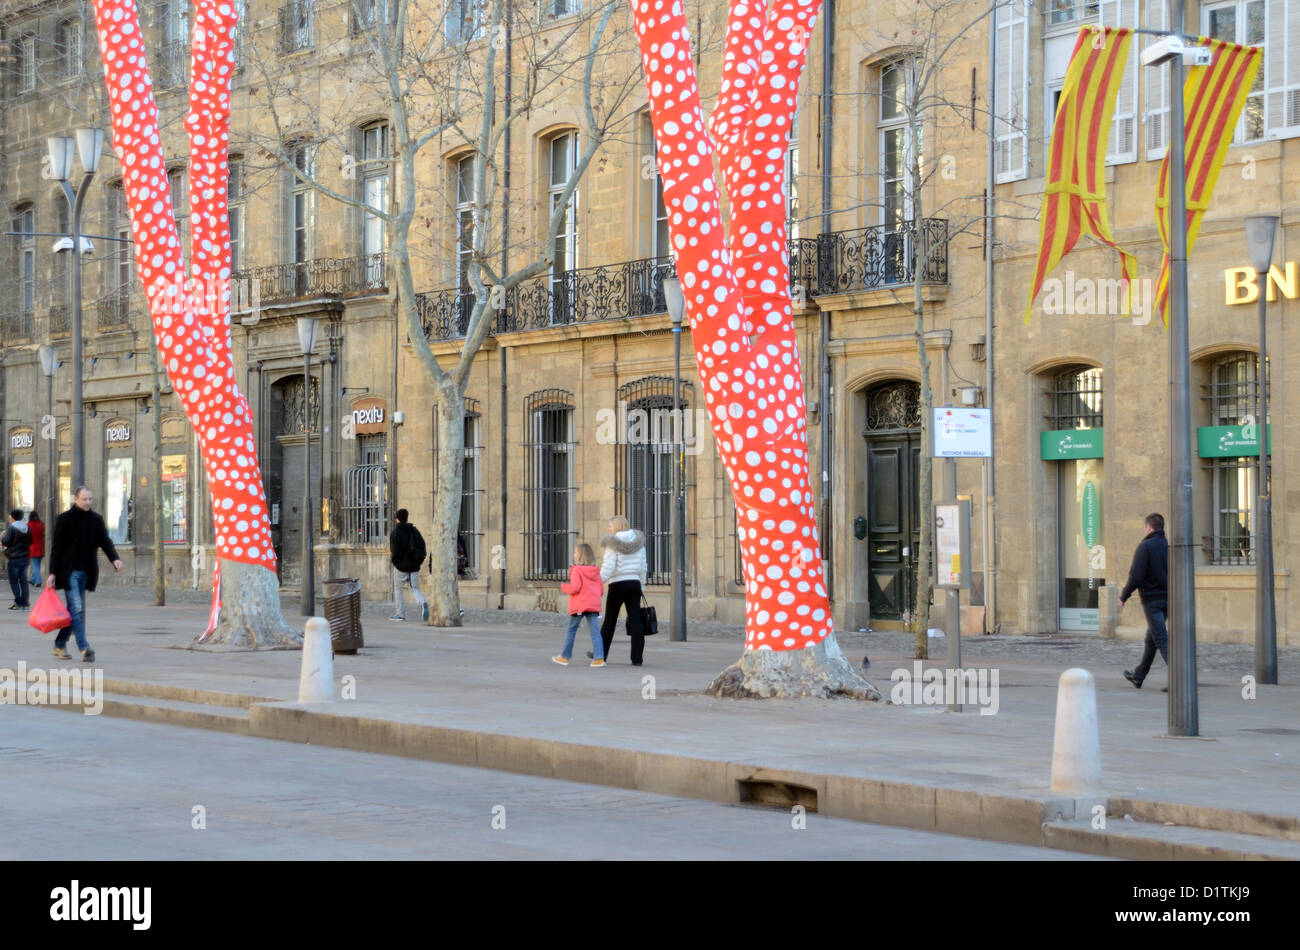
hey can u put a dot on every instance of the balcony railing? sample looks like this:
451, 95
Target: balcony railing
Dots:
297, 26
323, 277
171, 64
17, 327
114, 312
839, 262
60, 321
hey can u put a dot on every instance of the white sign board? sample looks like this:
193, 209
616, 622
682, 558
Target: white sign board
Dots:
962, 433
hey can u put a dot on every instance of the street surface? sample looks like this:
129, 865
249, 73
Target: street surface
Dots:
94, 787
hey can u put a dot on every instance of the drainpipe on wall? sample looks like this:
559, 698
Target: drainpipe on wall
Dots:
505, 268
828, 61
990, 555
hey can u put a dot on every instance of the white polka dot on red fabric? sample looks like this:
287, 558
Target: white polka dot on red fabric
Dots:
737, 295
197, 351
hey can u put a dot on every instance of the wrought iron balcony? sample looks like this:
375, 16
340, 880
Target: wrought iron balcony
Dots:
17, 327
60, 321
840, 262
323, 277
114, 312
171, 64
297, 26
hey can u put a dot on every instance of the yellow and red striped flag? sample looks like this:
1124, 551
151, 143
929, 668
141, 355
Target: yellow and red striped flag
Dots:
1213, 97
1074, 200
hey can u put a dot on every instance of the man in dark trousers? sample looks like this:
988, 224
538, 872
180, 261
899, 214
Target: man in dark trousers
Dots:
17, 542
1149, 575
79, 536
406, 546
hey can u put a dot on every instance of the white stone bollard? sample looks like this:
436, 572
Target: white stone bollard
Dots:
1076, 748
316, 684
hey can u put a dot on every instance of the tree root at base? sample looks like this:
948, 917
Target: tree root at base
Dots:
819, 672
250, 610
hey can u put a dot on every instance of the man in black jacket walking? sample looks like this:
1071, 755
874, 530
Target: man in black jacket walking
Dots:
406, 545
1149, 575
17, 542
79, 536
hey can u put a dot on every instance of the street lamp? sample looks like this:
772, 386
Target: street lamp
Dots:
1260, 232
49, 363
676, 310
307, 329
89, 144
1183, 713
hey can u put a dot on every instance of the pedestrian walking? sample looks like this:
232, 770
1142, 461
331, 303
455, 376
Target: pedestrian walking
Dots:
1149, 575
406, 545
584, 589
79, 536
37, 527
624, 570
17, 542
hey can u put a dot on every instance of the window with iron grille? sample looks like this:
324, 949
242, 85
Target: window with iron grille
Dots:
643, 485
365, 493
24, 51
297, 26
68, 47
548, 484
1074, 399
1231, 397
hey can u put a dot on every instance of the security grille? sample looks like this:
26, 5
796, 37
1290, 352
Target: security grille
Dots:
365, 493
1074, 399
548, 484
644, 466
1231, 396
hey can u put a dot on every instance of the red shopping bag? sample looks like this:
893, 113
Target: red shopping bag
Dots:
49, 614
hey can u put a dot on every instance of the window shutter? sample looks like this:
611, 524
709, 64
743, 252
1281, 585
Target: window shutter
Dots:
1011, 121
1282, 69
1155, 118
1122, 146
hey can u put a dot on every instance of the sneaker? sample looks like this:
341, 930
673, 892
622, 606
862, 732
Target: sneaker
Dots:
597, 663
61, 653
88, 655
15, 607
424, 611
1128, 675
560, 660
396, 617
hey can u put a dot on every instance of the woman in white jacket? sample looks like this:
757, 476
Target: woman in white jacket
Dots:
623, 571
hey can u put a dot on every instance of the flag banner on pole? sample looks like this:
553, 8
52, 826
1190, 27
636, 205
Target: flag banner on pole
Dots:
1213, 97
1074, 200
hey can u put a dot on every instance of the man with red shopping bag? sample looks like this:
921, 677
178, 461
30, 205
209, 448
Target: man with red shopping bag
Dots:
79, 536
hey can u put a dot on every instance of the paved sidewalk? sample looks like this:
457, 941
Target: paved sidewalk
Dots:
499, 679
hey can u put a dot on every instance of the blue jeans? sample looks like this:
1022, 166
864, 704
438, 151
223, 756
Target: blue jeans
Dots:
1157, 639
75, 596
18, 581
35, 577
597, 645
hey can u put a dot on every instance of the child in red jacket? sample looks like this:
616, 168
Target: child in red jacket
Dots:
584, 589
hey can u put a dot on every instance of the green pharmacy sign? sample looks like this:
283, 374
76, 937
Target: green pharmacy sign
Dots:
1061, 444
1224, 442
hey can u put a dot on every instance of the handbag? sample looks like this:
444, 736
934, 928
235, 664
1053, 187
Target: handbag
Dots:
49, 614
649, 619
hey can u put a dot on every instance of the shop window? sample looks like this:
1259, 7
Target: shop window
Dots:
1234, 482
548, 485
175, 485
119, 484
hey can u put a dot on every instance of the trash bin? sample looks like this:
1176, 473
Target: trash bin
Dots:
343, 612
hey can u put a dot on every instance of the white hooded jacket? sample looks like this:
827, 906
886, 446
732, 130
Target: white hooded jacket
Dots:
624, 557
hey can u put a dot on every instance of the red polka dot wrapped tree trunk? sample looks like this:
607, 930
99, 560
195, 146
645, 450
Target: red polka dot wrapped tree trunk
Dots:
741, 316
190, 307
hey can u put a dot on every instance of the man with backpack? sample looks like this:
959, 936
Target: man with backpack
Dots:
17, 541
406, 546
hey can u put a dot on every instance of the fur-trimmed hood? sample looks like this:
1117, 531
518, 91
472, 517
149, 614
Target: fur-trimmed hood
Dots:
625, 542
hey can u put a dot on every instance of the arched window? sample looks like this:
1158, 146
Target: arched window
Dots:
1234, 479
1074, 399
648, 434
548, 484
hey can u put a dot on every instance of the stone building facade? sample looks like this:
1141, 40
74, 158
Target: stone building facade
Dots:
568, 406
